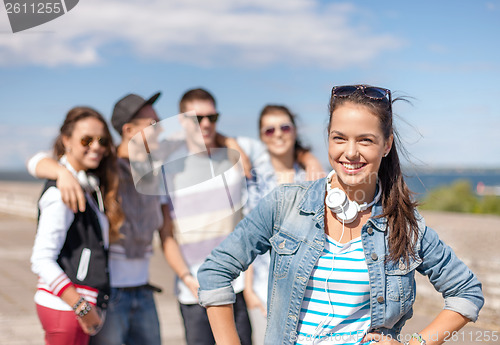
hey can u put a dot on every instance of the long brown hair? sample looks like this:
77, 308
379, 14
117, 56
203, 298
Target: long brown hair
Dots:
397, 200
106, 171
273, 108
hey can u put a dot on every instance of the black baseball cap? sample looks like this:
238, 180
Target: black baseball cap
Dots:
127, 107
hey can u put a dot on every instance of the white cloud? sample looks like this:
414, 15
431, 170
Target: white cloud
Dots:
438, 48
19, 142
215, 33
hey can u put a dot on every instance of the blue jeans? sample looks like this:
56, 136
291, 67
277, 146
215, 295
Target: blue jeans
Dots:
197, 327
131, 319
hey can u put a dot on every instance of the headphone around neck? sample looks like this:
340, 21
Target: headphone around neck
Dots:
345, 209
90, 184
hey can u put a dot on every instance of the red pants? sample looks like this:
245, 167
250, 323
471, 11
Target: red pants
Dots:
61, 327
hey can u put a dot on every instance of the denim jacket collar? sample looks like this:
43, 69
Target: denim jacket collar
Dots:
379, 223
313, 199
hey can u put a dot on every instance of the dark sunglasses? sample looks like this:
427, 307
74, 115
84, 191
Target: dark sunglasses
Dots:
88, 140
372, 92
212, 118
285, 128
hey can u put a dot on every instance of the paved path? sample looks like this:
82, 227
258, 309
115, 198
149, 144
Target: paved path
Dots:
19, 324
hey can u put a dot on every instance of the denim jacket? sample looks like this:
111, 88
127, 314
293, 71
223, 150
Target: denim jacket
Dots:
290, 223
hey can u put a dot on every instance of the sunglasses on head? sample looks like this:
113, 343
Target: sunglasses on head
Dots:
285, 128
212, 118
372, 92
88, 140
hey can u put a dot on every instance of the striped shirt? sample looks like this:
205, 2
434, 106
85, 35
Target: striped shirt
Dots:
206, 194
341, 315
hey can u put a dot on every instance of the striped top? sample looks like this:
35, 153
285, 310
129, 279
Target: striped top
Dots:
341, 316
206, 194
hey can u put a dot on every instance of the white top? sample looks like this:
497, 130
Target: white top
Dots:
123, 272
206, 208
127, 272
341, 315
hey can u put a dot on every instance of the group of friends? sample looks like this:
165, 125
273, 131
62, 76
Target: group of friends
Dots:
282, 253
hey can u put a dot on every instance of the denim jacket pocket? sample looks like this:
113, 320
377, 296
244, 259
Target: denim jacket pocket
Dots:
285, 246
400, 280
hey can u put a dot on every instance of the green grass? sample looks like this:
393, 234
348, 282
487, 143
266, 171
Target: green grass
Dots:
460, 197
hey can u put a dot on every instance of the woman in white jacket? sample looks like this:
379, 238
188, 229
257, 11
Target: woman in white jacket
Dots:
70, 250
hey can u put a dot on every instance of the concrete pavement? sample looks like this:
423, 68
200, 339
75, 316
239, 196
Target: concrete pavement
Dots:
19, 324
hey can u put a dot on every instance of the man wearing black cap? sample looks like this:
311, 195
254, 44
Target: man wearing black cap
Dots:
128, 108
131, 317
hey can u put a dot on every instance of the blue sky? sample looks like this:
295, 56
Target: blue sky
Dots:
445, 55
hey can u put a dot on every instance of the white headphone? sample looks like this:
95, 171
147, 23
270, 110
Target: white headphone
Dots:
345, 209
90, 184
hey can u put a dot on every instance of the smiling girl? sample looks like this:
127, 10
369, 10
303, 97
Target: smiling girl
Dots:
70, 251
278, 131
344, 249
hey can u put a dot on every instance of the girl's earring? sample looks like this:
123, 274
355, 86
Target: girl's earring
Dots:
387, 153
67, 149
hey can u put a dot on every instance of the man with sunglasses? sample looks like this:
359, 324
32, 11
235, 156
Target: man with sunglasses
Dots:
131, 315
199, 118
198, 226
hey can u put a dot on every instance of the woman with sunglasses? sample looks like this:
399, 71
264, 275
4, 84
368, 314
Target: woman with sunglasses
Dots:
70, 251
344, 249
278, 131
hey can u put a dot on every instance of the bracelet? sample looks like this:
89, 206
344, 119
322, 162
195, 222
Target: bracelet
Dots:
84, 311
418, 337
77, 304
184, 275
